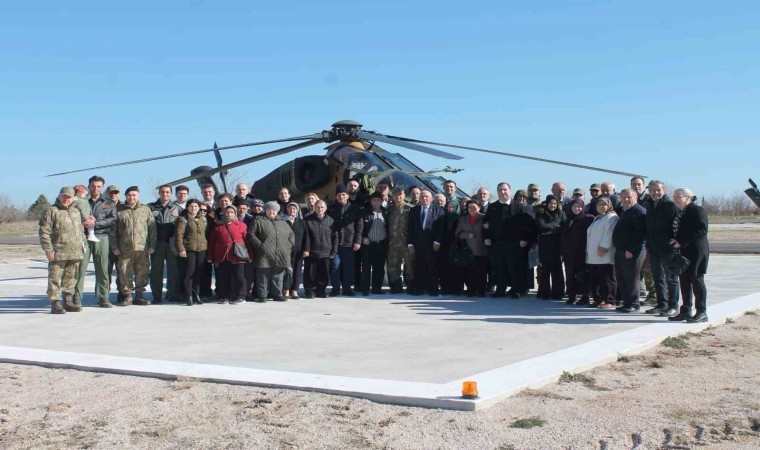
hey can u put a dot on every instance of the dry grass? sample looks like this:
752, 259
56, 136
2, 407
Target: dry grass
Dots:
22, 228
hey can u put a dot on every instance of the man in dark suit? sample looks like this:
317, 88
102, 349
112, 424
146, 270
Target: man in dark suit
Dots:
628, 240
507, 231
424, 237
661, 213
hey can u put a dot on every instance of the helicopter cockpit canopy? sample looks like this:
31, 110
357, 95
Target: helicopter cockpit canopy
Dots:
361, 162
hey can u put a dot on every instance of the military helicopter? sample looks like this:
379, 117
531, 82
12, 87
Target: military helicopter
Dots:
353, 153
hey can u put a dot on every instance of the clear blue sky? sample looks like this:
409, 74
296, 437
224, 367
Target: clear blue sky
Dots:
668, 89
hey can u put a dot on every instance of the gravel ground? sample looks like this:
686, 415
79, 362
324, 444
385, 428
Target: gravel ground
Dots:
702, 391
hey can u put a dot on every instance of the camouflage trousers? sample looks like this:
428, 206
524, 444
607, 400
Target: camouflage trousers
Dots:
133, 271
62, 277
646, 282
398, 254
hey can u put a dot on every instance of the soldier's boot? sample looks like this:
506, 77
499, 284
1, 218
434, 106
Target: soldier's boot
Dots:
56, 307
78, 303
140, 300
125, 300
104, 303
69, 303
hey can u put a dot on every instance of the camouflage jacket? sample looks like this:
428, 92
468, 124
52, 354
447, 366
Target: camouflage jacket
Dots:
135, 229
62, 232
398, 220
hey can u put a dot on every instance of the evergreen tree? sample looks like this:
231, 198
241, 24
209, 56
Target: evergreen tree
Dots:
38, 207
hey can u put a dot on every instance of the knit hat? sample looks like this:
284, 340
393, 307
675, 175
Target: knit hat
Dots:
340, 189
257, 202
272, 205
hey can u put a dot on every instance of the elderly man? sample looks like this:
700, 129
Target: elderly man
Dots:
347, 224
608, 189
385, 191
398, 224
628, 240
62, 239
242, 194
646, 284
424, 236
482, 195
661, 213
103, 216
374, 245
559, 191
272, 240
320, 245
133, 240
165, 212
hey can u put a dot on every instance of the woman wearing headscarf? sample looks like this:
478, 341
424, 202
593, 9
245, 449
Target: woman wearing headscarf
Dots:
551, 284
272, 241
573, 249
600, 255
230, 275
292, 278
691, 241
190, 239
470, 229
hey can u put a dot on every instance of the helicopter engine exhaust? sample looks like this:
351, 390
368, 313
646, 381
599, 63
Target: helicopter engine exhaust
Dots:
311, 172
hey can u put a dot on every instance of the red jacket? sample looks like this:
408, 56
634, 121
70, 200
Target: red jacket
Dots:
220, 242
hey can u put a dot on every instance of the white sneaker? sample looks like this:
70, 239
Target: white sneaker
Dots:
93, 238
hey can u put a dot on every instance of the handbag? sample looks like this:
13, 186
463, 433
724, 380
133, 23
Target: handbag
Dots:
677, 263
238, 249
460, 254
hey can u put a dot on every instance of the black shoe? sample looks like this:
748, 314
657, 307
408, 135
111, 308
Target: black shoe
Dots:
322, 295
280, 299
260, 300
222, 301
570, 301
513, 294
197, 300
627, 309
308, 294
655, 310
498, 294
681, 317
237, 301
334, 293
583, 301
593, 304
699, 317
189, 301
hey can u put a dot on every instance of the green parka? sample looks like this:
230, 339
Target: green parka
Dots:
62, 233
135, 229
190, 234
272, 241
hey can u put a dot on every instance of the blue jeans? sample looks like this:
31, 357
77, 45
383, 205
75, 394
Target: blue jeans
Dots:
666, 283
342, 269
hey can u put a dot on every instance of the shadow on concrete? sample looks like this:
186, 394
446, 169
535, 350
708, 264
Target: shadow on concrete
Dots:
522, 312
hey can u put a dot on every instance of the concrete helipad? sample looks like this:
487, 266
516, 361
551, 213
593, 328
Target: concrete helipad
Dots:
407, 350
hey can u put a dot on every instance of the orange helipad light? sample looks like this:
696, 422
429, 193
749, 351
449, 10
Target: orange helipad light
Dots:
470, 389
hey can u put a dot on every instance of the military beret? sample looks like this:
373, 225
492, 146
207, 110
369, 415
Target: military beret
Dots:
132, 188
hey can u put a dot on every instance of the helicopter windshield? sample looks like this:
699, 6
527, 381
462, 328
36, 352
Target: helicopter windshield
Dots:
437, 183
357, 161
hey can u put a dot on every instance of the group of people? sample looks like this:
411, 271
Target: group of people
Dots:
590, 252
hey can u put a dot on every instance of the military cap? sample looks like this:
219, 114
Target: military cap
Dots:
579, 191
113, 188
66, 190
534, 187
132, 188
595, 187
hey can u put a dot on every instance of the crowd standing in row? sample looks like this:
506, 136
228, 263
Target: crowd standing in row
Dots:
597, 253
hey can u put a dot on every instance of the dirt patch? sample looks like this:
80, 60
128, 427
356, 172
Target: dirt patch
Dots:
703, 395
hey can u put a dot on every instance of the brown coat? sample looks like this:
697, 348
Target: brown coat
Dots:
190, 234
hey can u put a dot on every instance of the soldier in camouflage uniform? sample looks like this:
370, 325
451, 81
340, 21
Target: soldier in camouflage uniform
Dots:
133, 239
62, 240
398, 219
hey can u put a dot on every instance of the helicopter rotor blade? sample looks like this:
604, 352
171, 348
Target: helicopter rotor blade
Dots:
250, 160
194, 152
515, 155
372, 136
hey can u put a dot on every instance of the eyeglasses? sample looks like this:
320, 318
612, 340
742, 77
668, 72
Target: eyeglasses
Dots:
204, 211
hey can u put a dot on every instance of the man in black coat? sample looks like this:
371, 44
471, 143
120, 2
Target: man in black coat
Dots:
507, 231
374, 245
347, 225
320, 245
424, 237
661, 213
628, 239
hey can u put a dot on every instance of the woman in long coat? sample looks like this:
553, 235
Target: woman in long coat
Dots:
470, 229
573, 249
293, 277
600, 255
691, 241
272, 241
551, 283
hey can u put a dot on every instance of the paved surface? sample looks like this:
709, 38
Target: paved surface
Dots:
408, 338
